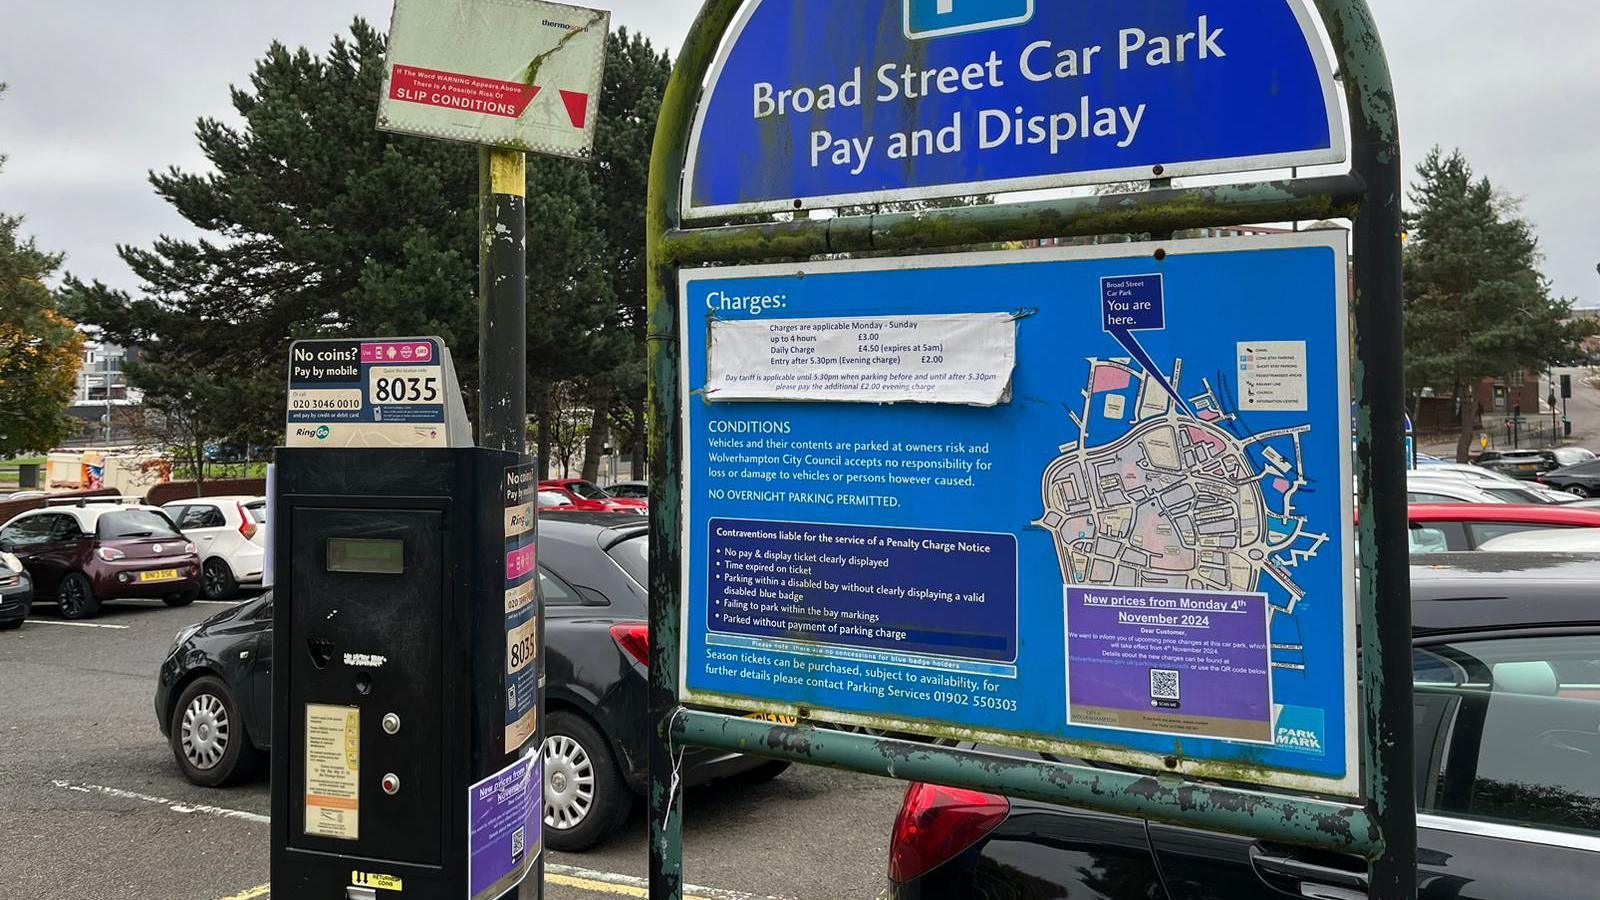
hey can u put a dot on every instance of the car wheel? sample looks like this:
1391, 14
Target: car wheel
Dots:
585, 798
208, 736
217, 581
76, 597
1577, 490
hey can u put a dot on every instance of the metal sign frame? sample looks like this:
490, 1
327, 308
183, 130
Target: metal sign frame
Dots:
1382, 827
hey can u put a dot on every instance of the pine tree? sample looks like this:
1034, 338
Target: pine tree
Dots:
321, 226
635, 81
40, 349
1476, 303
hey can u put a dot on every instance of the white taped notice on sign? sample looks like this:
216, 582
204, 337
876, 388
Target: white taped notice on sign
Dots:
963, 359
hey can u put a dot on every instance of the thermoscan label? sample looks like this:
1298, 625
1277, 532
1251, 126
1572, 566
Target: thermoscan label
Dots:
333, 771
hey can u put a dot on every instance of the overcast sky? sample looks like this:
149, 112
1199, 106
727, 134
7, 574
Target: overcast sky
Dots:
101, 93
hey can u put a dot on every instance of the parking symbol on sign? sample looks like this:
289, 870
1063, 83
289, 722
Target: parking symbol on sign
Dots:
937, 18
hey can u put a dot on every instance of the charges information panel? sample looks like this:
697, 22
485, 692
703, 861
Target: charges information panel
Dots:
1132, 541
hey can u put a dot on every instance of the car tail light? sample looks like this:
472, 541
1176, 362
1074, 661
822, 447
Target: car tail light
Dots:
634, 639
936, 824
247, 523
110, 554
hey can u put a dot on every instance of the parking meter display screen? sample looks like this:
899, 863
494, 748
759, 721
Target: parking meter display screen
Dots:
363, 556
1096, 500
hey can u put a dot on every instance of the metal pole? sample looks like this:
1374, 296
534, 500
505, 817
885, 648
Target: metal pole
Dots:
666, 552
502, 299
1385, 586
503, 355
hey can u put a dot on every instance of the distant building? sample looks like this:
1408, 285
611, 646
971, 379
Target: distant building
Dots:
108, 407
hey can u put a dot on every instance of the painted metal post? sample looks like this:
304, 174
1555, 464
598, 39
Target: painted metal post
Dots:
503, 352
1385, 591
502, 299
667, 157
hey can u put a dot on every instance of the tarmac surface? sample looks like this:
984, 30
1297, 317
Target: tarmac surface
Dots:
93, 807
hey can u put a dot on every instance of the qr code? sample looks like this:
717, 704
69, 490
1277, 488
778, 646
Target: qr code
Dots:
519, 842
1164, 685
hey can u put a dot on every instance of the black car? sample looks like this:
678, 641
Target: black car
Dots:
1530, 464
214, 694
16, 592
1507, 661
1582, 480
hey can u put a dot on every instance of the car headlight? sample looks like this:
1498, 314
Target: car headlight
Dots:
10, 561
184, 634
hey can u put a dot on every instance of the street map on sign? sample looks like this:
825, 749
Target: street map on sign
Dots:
1164, 494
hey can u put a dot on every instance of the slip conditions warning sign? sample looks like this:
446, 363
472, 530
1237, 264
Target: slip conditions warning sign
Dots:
522, 75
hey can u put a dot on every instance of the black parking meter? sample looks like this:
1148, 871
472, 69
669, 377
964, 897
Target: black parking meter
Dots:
405, 621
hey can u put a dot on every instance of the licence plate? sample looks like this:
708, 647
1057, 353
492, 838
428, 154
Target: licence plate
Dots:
775, 719
158, 575
1528, 467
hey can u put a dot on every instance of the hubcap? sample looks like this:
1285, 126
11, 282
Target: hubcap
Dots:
213, 578
205, 731
71, 595
568, 782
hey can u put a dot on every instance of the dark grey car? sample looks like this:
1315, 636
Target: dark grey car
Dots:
1507, 724
591, 571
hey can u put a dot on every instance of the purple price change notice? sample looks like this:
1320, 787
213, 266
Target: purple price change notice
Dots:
1184, 663
504, 815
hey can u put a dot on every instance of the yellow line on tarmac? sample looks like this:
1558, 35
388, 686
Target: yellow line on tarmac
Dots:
603, 887
260, 891
599, 887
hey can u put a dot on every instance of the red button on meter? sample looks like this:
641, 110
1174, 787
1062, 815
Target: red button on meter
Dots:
391, 784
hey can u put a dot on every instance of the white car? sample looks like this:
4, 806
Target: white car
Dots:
231, 533
1493, 482
1549, 540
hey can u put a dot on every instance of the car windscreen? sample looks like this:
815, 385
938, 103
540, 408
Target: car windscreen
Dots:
587, 491
633, 556
1515, 495
134, 523
257, 511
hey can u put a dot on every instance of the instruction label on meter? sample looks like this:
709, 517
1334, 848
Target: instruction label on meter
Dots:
520, 492
333, 771
375, 393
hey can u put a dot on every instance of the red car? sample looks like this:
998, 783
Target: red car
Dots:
587, 497
91, 552
1442, 527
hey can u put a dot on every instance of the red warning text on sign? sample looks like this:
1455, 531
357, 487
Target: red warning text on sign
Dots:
452, 90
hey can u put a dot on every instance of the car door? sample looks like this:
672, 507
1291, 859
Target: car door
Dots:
1507, 767
27, 538
57, 553
205, 524
258, 675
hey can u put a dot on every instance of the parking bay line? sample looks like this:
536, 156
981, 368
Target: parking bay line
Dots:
177, 806
568, 876
76, 624
251, 894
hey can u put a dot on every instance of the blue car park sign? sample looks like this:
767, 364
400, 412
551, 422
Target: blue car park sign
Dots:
860, 102
1058, 494
1062, 504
